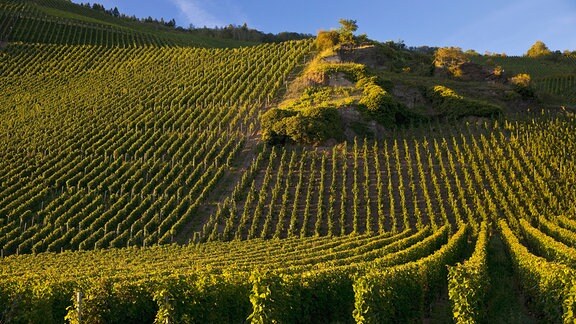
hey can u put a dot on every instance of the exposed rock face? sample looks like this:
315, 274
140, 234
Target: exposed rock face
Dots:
332, 59
353, 121
339, 80
315, 79
332, 80
411, 97
368, 55
414, 100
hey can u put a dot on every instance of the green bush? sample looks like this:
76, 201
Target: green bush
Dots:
98, 303
353, 71
272, 127
326, 296
392, 296
380, 105
451, 104
308, 120
309, 126
326, 39
202, 298
374, 97
315, 125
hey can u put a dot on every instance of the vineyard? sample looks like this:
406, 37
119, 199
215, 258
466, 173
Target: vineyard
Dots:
64, 23
134, 188
145, 139
555, 77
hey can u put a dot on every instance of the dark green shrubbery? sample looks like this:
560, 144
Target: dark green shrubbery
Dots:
451, 104
310, 126
353, 71
379, 104
314, 118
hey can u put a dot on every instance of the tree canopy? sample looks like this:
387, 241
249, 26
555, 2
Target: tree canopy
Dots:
327, 39
344, 35
538, 49
347, 29
450, 58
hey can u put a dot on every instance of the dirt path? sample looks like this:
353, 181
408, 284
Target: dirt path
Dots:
506, 302
223, 189
225, 186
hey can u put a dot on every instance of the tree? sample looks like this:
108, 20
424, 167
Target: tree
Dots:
472, 52
450, 58
115, 12
539, 49
347, 29
326, 39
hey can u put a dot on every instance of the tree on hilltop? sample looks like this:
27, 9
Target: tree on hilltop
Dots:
539, 49
343, 36
347, 29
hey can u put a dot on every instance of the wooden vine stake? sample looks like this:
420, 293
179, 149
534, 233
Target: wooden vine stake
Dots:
79, 296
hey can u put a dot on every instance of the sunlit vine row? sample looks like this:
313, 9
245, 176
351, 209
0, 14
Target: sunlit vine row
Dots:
122, 146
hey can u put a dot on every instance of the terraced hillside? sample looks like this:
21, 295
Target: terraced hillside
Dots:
65, 23
134, 189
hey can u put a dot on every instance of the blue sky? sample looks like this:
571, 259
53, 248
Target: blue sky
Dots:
502, 26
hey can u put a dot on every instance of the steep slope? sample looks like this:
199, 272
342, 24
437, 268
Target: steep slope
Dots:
62, 22
119, 146
116, 141
552, 77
